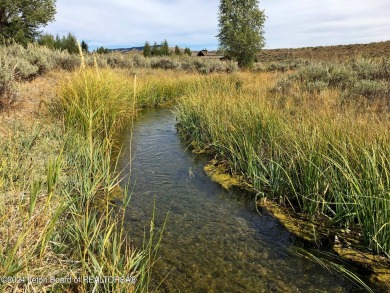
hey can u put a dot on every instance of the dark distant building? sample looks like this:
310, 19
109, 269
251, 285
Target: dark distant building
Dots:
205, 54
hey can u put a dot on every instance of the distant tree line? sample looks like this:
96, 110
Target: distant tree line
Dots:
163, 50
65, 43
102, 50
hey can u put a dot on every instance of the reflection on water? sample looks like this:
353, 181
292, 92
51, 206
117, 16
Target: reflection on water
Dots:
214, 241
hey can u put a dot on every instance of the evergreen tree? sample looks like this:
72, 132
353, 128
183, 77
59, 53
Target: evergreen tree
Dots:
69, 43
164, 50
241, 29
58, 43
177, 50
155, 50
187, 51
20, 20
147, 50
47, 40
102, 50
66, 43
84, 47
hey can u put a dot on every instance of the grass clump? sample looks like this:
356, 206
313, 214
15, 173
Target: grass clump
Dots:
59, 221
97, 102
163, 86
93, 235
306, 149
30, 208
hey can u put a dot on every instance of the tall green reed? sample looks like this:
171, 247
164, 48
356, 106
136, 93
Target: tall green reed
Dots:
306, 153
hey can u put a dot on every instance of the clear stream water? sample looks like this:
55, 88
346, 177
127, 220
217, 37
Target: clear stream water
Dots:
214, 241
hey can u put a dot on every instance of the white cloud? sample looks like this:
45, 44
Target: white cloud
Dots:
301, 23
131, 23
290, 23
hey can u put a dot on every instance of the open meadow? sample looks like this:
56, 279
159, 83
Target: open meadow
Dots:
313, 137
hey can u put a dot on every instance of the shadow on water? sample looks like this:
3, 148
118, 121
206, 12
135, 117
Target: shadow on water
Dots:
214, 241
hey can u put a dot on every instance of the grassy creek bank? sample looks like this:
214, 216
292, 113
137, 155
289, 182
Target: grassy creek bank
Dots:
314, 139
321, 152
58, 177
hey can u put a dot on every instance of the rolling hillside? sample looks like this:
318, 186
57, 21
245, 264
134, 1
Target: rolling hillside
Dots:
335, 53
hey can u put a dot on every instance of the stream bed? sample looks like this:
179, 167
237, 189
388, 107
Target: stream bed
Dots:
214, 239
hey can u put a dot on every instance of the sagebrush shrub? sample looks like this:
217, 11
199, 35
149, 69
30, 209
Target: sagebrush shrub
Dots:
371, 88
366, 78
66, 61
341, 76
370, 70
282, 86
165, 63
40, 57
316, 86
7, 82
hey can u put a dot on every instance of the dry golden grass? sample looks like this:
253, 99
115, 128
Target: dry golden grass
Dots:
26, 221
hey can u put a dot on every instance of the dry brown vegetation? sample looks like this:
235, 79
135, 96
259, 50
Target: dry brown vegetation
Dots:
328, 53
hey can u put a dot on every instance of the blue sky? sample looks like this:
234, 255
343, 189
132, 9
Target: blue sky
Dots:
194, 23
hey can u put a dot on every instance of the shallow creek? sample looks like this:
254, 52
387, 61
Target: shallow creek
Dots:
214, 240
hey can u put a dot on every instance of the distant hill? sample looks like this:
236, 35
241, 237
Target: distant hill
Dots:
139, 49
335, 53
124, 50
